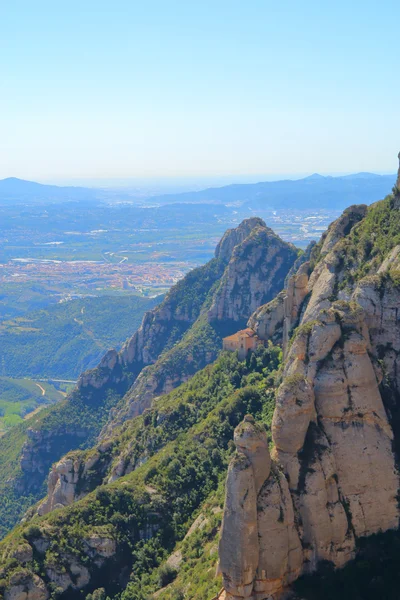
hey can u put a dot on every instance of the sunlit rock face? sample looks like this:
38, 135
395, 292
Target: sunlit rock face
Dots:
255, 274
333, 476
260, 550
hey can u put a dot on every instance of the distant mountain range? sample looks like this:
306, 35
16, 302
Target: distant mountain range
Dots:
18, 190
316, 191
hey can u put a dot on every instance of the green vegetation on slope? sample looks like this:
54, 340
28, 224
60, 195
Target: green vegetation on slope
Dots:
362, 251
72, 423
150, 510
66, 339
12, 504
189, 404
185, 301
77, 421
19, 397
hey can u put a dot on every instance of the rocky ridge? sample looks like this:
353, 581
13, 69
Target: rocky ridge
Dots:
256, 261
335, 430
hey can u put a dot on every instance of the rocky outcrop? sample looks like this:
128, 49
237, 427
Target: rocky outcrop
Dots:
75, 475
75, 578
259, 549
62, 482
267, 321
66, 481
100, 376
398, 177
168, 322
234, 237
391, 262
254, 275
305, 257
342, 226
334, 443
39, 450
25, 586
336, 425
242, 257
331, 394
275, 320
62, 572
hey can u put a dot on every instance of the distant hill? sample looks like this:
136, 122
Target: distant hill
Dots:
64, 339
316, 191
311, 192
18, 190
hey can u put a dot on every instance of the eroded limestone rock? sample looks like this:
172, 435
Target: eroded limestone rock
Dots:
274, 320
239, 550
342, 226
332, 432
25, 586
254, 275
258, 512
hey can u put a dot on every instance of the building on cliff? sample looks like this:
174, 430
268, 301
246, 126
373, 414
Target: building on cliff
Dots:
242, 342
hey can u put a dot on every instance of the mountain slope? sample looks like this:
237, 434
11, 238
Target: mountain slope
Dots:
336, 424
175, 340
65, 339
256, 262
184, 462
139, 513
315, 192
13, 190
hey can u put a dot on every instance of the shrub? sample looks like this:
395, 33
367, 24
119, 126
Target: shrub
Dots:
166, 575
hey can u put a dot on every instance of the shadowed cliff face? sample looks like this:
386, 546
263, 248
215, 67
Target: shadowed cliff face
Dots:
335, 429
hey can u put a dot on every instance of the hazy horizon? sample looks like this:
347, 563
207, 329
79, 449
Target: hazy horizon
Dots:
132, 90
175, 185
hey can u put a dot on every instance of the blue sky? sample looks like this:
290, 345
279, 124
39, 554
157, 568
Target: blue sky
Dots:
175, 88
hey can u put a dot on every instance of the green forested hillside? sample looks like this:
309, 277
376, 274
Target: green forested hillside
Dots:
74, 422
187, 441
20, 397
65, 339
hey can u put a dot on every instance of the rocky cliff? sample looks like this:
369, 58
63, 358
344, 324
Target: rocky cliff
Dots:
335, 432
117, 510
255, 273
255, 262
